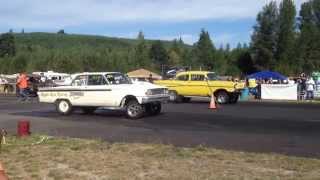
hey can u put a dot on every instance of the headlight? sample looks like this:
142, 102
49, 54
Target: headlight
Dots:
149, 92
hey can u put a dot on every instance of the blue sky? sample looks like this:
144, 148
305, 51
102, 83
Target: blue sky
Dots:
228, 21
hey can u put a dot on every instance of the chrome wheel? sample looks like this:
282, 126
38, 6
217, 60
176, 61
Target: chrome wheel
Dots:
64, 107
134, 110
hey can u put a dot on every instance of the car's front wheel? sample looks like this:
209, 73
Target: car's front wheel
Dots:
64, 107
134, 110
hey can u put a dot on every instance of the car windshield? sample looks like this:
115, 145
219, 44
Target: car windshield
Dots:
117, 78
212, 76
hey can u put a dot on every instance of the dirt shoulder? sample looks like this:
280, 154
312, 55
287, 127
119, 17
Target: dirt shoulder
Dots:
42, 157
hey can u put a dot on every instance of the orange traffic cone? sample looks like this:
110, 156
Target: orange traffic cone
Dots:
212, 103
3, 175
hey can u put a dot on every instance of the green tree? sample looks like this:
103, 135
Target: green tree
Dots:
5, 65
205, 50
221, 63
174, 58
178, 46
245, 63
141, 52
176, 52
19, 63
308, 46
286, 37
158, 54
263, 40
7, 45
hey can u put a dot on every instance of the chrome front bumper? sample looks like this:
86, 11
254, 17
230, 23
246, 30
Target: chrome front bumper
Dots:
145, 100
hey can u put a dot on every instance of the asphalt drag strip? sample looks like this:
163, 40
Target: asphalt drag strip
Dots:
271, 127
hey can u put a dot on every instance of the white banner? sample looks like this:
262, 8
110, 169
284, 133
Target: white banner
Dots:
279, 91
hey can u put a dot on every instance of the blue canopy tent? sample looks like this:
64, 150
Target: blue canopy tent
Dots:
267, 75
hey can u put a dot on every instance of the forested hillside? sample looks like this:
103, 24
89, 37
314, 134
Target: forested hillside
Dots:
75, 53
69, 53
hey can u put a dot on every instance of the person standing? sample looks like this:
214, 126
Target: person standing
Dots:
22, 84
150, 78
310, 88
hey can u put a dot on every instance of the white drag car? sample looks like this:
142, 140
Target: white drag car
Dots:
113, 90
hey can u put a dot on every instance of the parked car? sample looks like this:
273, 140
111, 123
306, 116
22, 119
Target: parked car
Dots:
201, 84
89, 91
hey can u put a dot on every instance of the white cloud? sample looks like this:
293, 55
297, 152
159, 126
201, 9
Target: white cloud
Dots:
63, 13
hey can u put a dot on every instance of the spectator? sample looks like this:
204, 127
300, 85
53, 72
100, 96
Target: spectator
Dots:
310, 85
22, 84
150, 78
303, 81
258, 95
318, 84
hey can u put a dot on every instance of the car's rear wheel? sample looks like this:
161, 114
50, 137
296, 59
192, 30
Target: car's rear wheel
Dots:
88, 110
153, 108
222, 97
134, 110
64, 107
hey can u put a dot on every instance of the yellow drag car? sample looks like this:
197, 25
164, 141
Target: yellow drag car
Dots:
201, 84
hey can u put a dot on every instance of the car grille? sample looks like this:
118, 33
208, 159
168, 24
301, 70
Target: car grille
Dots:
158, 91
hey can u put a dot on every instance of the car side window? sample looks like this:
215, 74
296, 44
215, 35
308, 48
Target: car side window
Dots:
197, 77
80, 81
96, 80
183, 77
